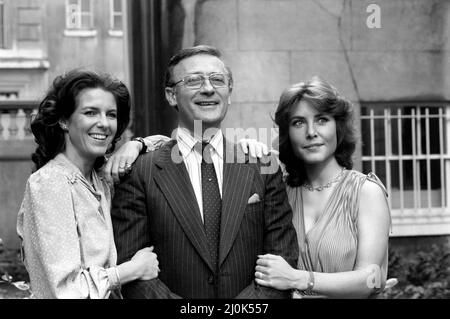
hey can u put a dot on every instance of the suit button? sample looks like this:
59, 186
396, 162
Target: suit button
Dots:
210, 280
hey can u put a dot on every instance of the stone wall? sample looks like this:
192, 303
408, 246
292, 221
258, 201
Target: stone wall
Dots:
15, 168
271, 44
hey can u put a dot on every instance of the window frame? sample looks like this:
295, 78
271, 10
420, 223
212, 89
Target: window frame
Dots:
3, 26
113, 13
78, 30
36, 25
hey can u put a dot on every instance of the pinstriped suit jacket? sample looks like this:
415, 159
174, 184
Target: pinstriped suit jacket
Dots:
155, 206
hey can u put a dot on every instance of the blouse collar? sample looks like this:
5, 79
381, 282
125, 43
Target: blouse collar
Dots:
74, 173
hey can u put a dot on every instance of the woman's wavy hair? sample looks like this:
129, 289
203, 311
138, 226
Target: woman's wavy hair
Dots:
327, 100
61, 101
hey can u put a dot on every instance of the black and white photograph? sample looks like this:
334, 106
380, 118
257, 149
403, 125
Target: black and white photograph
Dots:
225, 153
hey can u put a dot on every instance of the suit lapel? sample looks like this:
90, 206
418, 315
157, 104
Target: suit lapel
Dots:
173, 180
237, 182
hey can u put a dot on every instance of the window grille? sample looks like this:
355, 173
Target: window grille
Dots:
407, 145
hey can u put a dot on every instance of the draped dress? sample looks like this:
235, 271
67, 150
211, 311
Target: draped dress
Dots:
331, 244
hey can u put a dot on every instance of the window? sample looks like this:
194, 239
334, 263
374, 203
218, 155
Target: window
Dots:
408, 146
116, 17
29, 21
79, 15
2, 25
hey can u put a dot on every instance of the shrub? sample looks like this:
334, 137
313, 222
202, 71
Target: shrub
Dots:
424, 275
13, 274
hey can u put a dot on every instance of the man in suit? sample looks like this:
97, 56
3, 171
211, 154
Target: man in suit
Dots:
207, 210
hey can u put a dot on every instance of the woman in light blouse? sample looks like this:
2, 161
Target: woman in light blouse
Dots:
64, 220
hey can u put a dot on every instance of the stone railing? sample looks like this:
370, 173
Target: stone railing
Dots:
16, 146
15, 119
16, 140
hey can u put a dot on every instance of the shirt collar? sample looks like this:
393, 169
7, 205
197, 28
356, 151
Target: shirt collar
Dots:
217, 143
186, 142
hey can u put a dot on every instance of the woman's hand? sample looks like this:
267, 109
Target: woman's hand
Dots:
121, 161
146, 263
273, 271
256, 149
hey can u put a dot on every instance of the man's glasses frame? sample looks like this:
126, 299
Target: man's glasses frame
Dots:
222, 81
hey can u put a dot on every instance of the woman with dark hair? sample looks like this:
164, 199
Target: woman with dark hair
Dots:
341, 216
64, 220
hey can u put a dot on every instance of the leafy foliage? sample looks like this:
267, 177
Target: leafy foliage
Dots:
424, 275
13, 274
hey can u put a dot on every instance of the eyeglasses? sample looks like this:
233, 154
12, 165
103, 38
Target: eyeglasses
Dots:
196, 81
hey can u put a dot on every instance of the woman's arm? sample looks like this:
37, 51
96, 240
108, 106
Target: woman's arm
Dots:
119, 163
370, 270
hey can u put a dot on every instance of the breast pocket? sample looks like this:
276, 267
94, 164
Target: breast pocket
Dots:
255, 208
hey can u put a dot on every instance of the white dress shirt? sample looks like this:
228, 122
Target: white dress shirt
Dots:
193, 160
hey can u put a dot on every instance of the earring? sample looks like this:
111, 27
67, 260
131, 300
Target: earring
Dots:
63, 127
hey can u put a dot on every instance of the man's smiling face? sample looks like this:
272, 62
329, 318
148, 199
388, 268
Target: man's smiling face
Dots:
207, 104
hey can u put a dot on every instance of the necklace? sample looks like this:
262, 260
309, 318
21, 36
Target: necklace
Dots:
327, 185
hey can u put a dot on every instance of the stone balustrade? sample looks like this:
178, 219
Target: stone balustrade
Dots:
15, 119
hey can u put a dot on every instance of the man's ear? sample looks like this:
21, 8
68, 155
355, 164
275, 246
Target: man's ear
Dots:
170, 96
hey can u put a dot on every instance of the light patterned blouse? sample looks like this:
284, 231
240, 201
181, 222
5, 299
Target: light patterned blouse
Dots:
67, 238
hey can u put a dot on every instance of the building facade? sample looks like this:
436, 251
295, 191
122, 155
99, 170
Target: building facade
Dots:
40, 39
390, 58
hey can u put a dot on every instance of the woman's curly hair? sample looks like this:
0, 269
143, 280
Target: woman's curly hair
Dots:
60, 102
326, 99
